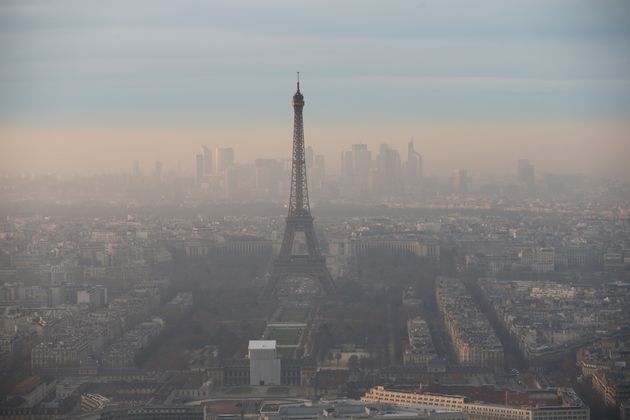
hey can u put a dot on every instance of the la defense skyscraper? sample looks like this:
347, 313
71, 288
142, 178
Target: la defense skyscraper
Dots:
299, 219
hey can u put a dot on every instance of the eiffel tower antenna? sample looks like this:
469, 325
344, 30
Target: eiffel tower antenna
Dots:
299, 219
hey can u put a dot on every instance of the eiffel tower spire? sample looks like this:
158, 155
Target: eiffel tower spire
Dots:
299, 218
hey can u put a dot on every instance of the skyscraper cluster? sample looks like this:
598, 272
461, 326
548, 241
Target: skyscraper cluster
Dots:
386, 174
526, 173
215, 169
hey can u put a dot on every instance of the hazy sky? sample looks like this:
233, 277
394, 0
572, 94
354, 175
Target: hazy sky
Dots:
92, 85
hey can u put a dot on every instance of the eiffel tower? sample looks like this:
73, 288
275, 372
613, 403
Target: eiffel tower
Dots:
287, 264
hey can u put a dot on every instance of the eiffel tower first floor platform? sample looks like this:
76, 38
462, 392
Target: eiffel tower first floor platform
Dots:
300, 266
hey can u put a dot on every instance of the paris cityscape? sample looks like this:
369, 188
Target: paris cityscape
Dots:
384, 265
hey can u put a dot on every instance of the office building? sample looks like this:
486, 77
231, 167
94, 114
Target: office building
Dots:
413, 168
309, 157
355, 169
525, 173
158, 171
362, 162
387, 178
231, 181
207, 159
264, 363
461, 181
223, 159
317, 172
199, 169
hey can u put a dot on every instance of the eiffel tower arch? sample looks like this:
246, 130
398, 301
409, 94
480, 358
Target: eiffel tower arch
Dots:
299, 219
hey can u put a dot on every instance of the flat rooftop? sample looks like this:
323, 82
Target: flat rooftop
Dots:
262, 344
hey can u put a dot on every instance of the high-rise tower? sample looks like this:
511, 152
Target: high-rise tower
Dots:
414, 165
299, 219
526, 173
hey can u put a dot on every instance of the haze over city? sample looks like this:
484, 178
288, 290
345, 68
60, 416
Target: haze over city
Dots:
331, 210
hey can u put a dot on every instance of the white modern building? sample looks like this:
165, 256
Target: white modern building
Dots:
264, 363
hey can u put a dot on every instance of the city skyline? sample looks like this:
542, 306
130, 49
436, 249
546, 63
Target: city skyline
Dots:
596, 158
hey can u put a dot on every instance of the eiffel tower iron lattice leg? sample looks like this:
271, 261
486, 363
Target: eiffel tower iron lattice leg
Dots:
299, 219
